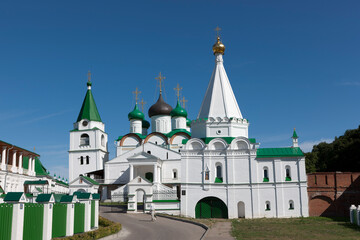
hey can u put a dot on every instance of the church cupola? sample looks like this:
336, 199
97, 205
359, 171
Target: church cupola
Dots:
178, 117
145, 127
295, 139
136, 118
160, 113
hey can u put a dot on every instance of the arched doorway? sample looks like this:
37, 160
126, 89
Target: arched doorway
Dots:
320, 206
140, 200
241, 209
211, 207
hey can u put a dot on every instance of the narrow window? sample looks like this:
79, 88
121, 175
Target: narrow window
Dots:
87, 159
81, 160
174, 174
103, 140
167, 155
156, 142
84, 140
266, 175
149, 152
219, 178
288, 173
267, 206
326, 182
315, 180
291, 205
206, 175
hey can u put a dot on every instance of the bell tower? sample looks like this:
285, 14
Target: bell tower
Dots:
88, 139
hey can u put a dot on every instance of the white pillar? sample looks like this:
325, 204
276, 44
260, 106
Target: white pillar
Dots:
352, 207
155, 173
70, 219
14, 168
97, 213
358, 215
20, 163
47, 225
33, 166
131, 172
29, 165
17, 221
3, 159
87, 222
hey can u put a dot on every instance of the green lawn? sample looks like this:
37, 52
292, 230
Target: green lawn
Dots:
319, 228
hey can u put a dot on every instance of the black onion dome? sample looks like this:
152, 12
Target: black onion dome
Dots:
160, 108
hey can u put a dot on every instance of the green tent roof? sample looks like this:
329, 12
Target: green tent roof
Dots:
89, 110
39, 168
294, 134
279, 152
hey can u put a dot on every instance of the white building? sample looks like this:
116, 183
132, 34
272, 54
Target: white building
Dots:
214, 171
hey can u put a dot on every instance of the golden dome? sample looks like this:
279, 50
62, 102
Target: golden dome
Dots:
218, 47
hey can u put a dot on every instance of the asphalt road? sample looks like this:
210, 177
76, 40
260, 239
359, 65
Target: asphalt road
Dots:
137, 226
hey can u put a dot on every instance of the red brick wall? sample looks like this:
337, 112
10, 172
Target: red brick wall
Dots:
332, 193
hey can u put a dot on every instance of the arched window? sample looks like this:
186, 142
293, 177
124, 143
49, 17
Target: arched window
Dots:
266, 175
81, 160
267, 206
291, 205
84, 140
103, 140
149, 152
174, 174
87, 159
288, 173
219, 177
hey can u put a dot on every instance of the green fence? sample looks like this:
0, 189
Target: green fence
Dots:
6, 212
33, 221
79, 218
59, 220
93, 213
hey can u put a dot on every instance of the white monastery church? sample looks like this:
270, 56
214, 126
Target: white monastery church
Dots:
207, 167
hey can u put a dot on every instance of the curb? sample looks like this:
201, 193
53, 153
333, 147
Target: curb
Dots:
111, 237
188, 221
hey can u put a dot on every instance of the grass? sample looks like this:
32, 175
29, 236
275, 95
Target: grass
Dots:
319, 228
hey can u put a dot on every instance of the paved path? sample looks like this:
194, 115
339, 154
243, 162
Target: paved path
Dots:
138, 226
220, 230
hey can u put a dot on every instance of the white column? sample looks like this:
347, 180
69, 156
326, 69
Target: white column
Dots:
47, 225
87, 222
3, 159
33, 166
29, 165
20, 163
155, 173
70, 219
14, 168
131, 172
97, 213
17, 221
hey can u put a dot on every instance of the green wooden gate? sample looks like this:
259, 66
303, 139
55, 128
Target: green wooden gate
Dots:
59, 220
33, 221
6, 212
93, 213
211, 207
79, 218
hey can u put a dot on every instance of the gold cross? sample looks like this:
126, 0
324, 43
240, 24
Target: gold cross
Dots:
217, 29
142, 103
89, 76
136, 92
183, 101
177, 89
160, 78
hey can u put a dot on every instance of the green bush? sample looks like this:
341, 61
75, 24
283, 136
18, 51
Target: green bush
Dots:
106, 228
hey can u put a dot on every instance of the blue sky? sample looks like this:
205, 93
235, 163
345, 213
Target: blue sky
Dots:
290, 63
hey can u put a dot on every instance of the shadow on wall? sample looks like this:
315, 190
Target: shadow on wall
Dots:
332, 193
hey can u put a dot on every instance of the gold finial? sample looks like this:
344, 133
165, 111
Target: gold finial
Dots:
217, 29
89, 76
34, 149
183, 101
136, 92
160, 78
142, 103
178, 89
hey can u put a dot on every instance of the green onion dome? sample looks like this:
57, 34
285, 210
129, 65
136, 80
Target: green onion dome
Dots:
145, 124
188, 122
178, 111
136, 114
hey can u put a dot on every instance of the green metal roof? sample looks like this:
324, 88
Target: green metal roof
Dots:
188, 122
39, 182
96, 196
58, 197
294, 134
170, 134
145, 124
90, 180
227, 139
178, 111
1, 190
13, 196
83, 195
66, 198
39, 168
279, 152
43, 197
136, 114
39, 189
252, 140
89, 110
